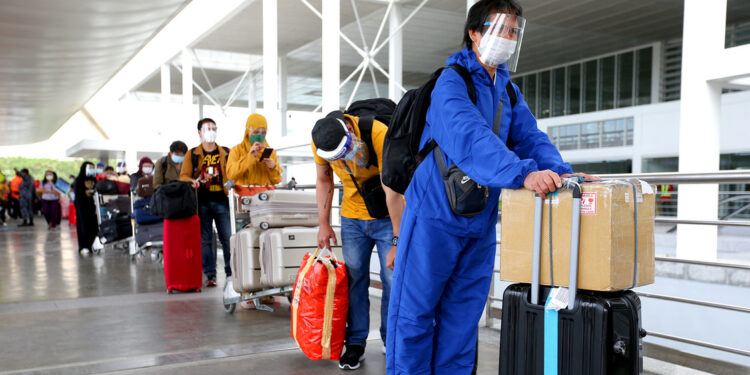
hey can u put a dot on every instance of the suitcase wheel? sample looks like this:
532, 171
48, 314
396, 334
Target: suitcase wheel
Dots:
169, 290
230, 308
264, 225
263, 196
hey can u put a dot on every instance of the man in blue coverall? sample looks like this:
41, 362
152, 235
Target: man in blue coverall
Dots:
444, 261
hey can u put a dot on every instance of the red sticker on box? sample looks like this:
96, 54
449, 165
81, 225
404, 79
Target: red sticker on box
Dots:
588, 204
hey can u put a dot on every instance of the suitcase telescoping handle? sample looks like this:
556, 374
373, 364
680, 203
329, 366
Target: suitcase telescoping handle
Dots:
230, 187
575, 187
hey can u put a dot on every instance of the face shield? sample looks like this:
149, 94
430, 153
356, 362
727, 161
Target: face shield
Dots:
501, 40
351, 152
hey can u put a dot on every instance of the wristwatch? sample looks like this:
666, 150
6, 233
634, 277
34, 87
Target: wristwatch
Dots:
394, 240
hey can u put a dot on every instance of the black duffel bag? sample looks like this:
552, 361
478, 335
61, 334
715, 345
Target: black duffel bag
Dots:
175, 200
106, 187
115, 229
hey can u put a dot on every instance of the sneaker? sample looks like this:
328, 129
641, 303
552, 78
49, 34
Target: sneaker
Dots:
211, 281
352, 358
85, 252
229, 289
383, 349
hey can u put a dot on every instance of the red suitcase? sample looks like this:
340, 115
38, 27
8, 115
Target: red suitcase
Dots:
182, 254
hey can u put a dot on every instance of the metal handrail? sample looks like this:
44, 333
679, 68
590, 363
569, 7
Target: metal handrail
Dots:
728, 223
700, 343
720, 177
738, 266
695, 302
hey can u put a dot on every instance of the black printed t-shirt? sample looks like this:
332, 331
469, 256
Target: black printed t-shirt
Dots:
211, 188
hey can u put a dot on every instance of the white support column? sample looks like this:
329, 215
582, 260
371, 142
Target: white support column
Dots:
282, 95
186, 60
166, 83
252, 96
656, 57
395, 54
700, 115
331, 55
270, 67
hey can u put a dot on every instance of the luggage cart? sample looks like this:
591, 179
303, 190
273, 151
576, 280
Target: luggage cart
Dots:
153, 250
100, 244
240, 217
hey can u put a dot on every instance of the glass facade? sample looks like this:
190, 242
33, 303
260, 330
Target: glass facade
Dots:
615, 81
609, 133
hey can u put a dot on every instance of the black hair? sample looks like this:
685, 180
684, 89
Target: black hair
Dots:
179, 146
203, 121
480, 11
25, 170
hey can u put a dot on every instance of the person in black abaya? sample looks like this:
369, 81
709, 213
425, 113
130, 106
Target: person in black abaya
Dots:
86, 225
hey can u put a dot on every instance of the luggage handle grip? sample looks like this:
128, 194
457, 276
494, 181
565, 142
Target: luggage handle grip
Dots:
573, 185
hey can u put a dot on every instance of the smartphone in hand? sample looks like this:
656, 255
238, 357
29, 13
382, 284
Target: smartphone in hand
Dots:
266, 153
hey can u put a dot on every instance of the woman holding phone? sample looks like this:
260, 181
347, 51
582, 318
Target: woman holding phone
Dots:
253, 162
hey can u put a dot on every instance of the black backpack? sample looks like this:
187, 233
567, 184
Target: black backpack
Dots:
380, 109
106, 187
175, 200
401, 153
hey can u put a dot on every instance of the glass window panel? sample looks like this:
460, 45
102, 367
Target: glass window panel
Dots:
530, 93
607, 83
558, 92
544, 94
590, 135
643, 74
589, 86
625, 80
520, 81
629, 132
613, 133
574, 90
553, 131
568, 137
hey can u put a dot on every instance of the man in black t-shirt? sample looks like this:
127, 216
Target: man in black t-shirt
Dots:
205, 167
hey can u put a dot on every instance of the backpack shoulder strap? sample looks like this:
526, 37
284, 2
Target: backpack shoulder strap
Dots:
511, 94
365, 131
470, 90
194, 158
163, 169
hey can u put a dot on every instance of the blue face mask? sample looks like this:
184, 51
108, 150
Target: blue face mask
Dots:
177, 159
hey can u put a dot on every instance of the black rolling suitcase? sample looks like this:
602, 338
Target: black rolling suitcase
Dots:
599, 334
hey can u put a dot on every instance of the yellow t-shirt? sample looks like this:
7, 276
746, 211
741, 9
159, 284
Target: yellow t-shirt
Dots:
353, 206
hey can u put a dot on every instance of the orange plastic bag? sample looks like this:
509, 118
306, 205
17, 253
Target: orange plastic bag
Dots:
319, 306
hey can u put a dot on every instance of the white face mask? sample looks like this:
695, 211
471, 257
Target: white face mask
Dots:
49, 177
147, 170
209, 136
496, 50
120, 169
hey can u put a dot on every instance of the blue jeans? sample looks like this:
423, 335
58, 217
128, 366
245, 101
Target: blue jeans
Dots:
357, 240
219, 212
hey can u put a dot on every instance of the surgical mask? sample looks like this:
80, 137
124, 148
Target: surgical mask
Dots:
99, 170
496, 50
177, 159
209, 136
147, 170
49, 177
120, 169
259, 138
91, 172
72, 180
357, 155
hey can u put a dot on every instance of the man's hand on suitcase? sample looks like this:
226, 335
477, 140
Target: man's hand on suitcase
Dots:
325, 235
542, 182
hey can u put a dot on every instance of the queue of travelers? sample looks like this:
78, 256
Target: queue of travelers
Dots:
436, 261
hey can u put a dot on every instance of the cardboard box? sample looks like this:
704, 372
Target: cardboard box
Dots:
607, 236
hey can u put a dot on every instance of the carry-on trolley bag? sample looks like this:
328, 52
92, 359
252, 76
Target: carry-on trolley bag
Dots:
574, 331
282, 249
149, 233
281, 208
182, 254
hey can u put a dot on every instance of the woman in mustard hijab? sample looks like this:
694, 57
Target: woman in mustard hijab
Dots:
244, 166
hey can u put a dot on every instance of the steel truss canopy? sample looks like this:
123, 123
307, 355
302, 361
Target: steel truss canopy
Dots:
58, 54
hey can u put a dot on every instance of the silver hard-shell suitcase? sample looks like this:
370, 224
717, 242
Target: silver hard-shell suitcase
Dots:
282, 208
245, 260
282, 250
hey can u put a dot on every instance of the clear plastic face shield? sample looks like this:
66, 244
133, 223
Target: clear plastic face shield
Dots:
501, 40
350, 154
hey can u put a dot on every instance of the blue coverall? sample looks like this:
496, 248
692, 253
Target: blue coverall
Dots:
444, 262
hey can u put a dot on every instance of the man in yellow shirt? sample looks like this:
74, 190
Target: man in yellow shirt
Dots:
245, 166
370, 215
